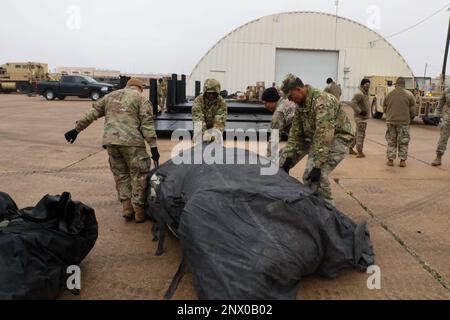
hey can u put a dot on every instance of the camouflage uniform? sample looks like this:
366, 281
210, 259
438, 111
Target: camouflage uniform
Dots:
282, 119
399, 106
444, 107
162, 95
333, 89
128, 122
210, 114
397, 138
359, 103
321, 130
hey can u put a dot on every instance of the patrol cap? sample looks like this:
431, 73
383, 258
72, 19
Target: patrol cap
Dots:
211, 85
289, 83
135, 83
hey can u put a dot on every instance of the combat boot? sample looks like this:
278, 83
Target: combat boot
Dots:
437, 161
352, 152
402, 163
139, 216
390, 163
127, 212
360, 152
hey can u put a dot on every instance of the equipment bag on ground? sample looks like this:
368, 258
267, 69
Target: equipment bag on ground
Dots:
38, 244
245, 235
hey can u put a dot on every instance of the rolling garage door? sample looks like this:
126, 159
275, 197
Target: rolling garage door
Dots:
313, 67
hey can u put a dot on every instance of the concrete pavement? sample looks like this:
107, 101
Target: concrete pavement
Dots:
407, 208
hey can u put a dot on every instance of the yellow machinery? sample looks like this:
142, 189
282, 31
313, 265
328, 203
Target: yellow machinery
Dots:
426, 101
22, 76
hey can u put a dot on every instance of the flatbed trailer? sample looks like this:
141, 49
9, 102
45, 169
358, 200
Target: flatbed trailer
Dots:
241, 115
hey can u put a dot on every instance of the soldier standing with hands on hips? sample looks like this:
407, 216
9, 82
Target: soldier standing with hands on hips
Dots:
361, 109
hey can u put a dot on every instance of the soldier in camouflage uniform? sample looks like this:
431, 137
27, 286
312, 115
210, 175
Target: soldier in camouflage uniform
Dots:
443, 106
320, 129
361, 109
399, 105
162, 94
128, 123
209, 110
283, 114
333, 88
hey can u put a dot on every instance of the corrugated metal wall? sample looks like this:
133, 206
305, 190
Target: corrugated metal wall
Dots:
247, 54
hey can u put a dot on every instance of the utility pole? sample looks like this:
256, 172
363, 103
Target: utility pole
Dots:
444, 66
336, 3
425, 72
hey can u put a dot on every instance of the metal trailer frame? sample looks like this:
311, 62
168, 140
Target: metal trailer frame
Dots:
244, 116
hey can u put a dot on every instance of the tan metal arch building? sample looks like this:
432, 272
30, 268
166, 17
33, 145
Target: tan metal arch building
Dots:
305, 43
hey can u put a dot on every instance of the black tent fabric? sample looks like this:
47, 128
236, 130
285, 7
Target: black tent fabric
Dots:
245, 235
37, 244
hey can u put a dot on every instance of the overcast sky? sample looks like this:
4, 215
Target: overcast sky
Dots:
172, 35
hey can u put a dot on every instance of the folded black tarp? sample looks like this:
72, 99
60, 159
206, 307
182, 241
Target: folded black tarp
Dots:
250, 236
37, 244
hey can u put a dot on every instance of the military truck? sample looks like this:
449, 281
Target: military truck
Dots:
426, 101
22, 76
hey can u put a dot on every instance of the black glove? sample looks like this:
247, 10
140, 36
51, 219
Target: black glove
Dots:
363, 113
314, 175
155, 153
71, 135
287, 165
